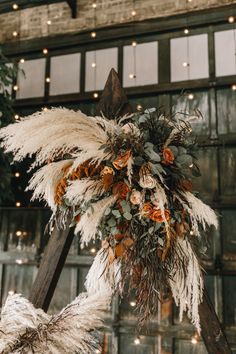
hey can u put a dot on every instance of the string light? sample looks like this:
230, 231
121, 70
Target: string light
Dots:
133, 13
15, 88
17, 174
15, 7
45, 51
132, 303
18, 204
94, 5
48, 79
22, 261
190, 96
17, 116
190, 0
11, 292
15, 33
185, 64
95, 95
194, 339
231, 19
132, 76
22, 60
186, 31
139, 107
93, 65
137, 341
18, 233
93, 250
191, 233
49, 22
134, 43
233, 87
93, 34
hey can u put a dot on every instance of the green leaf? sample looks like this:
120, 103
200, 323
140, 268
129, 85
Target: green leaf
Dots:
107, 211
127, 216
184, 160
174, 149
116, 213
181, 150
111, 222
151, 229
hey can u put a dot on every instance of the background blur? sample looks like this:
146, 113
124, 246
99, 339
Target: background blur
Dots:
177, 54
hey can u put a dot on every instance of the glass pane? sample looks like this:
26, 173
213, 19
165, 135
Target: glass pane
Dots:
226, 111
228, 223
18, 278
225, 53
207, 183
140, 64
186, 63
66, 289
200, 101
229, 297
31, 78
98, 65
228, 163
65, 74
133, 345
186, 346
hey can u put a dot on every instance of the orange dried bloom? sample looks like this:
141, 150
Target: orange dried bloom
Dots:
122, 160
168, 156
156, 215
121, 189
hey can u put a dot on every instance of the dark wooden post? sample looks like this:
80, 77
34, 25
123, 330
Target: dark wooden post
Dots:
113, 103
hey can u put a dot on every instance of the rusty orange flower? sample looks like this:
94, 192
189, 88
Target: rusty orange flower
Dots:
168, 156
120, 189
157, 215
122, 160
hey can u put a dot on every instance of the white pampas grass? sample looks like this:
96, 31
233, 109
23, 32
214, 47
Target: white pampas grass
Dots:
90, 220
54, 133
46, 179
82, 191
103, 276
186, 282
130, 168
27, 330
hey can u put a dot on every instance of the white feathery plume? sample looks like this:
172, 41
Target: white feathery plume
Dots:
54, 133
186, 282
90, 220
82, 191
130, 168
72, 330
103, 276
46, 179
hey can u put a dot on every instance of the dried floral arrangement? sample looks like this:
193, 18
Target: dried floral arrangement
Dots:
127, 183
27, 330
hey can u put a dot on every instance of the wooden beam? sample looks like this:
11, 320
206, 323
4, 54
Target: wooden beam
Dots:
212, 332
73, 7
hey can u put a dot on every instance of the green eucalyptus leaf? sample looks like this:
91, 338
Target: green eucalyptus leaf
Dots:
127, 216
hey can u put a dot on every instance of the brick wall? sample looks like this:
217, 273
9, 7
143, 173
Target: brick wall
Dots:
32, 22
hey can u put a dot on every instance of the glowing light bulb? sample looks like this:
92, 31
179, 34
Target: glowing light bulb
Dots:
22, 60
17, 174
191, 233
132, 76
48, 79
18, 233
45, 109
95, 95
93, 34
185, 64
15, 7
191, 165
49, 22
132, 303
93, 65
133, 13
11, 292
94, 5
190, 96
18, 204
137, 341
17, 116
231, 19
15, 88
15, 33
139, 107
194, 340
233, 87
190, 0
45, 51
93, 250
134, 43
186, 31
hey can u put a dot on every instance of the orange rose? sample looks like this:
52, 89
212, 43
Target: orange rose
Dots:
156, 215
122, 160
146, 209
121, 189
168, 156
77, 218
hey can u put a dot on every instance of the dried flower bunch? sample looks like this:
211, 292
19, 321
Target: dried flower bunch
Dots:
127, 183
